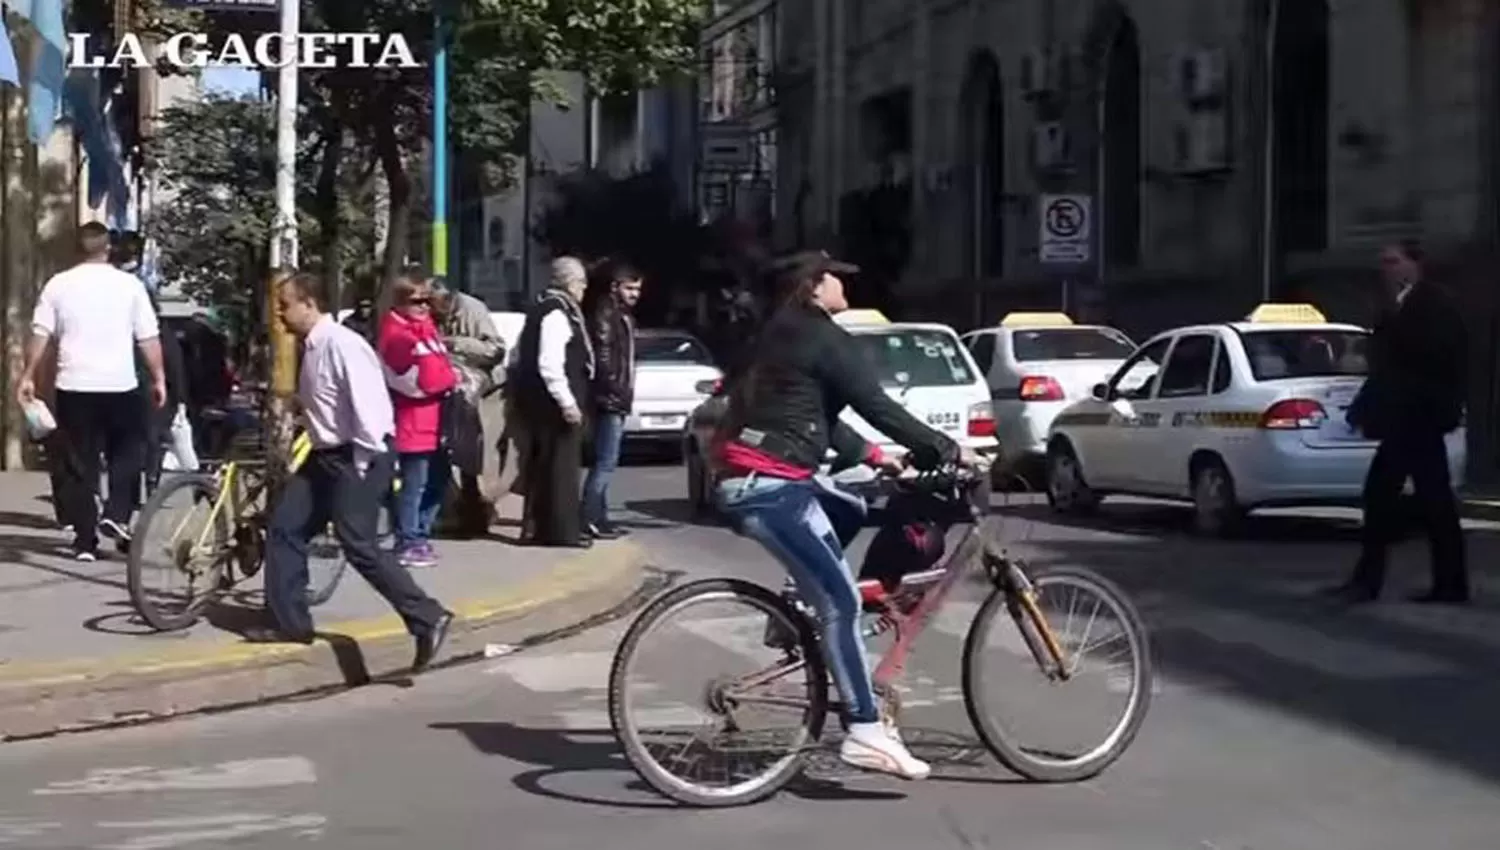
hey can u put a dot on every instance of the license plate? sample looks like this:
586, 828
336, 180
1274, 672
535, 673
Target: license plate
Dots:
661, 421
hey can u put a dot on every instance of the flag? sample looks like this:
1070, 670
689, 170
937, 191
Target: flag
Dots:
8, 70
49, 72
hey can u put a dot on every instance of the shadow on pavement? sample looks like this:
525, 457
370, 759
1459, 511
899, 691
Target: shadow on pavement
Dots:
1414, 677
557, 752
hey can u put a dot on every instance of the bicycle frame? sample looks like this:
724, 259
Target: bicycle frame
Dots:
911, 622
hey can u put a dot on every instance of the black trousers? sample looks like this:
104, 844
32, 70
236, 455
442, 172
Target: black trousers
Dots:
92, 424
553, 476
327, 488
1423, 458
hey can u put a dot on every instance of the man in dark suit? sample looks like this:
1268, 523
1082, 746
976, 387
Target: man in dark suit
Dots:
1413, 397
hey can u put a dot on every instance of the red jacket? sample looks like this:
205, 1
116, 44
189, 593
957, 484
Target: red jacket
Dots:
419, 374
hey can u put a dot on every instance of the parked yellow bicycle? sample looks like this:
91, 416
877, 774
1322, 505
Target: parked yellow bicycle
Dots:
226, 548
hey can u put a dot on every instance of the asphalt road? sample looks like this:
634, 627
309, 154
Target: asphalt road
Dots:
1278, 722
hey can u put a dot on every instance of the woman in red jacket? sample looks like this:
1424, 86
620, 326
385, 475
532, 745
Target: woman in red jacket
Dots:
419, 374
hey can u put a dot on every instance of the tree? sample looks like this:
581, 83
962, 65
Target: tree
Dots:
636, 219
216, 158
497, 48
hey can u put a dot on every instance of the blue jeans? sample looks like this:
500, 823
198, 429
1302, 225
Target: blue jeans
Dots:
609, 432
424, 482
806, 525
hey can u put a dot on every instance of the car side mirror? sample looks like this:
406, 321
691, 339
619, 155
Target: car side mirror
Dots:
1100, 392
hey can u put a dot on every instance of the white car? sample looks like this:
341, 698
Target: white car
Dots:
674, 374
1036, 364
1231, 417
923, 366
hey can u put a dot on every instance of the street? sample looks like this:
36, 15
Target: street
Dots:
1279, 722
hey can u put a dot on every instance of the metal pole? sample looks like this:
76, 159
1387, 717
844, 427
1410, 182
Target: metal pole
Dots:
1268, 197
439, 142
283, 366
284, 238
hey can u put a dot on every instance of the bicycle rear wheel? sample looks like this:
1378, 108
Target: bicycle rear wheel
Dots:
1084, 597
195, 547
790, 680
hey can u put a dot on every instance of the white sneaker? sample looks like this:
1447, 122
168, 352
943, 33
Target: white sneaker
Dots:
872, 746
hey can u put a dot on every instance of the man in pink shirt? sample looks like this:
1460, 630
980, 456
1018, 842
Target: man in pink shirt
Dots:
344, 480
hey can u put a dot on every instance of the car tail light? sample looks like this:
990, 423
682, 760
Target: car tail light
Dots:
1040, 388
982, 420
1294, 414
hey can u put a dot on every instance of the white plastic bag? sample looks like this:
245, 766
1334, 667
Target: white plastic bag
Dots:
39, 420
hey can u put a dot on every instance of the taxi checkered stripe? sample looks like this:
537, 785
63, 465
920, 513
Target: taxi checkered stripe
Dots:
1181, 419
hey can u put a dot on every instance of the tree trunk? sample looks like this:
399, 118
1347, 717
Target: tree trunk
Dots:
398, 231
330, 223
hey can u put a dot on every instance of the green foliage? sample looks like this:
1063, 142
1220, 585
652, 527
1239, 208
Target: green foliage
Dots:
216, 158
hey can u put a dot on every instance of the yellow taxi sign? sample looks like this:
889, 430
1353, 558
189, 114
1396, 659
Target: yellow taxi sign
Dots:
861, 317
1287, 314
1036, 320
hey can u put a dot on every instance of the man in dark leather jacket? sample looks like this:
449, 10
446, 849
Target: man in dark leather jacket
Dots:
1413, 397
613, 332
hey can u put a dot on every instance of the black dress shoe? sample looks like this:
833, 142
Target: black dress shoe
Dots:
1447, 597
266, 634
429, 643
1351, 593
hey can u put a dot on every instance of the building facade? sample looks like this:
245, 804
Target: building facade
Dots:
1229, 152
738, 121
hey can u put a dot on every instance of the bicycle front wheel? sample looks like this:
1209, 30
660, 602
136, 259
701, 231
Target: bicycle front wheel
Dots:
742, 653
1078, 638
179, 537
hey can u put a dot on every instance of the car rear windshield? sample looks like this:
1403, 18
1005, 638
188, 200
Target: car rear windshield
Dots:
679, 350
1071, 344
1312, 353
915, 358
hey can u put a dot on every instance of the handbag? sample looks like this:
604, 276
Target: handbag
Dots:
460, 433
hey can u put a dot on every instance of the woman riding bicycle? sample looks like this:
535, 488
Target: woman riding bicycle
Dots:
783, 417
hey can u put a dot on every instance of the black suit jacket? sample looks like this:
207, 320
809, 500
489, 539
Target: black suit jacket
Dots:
1418, 379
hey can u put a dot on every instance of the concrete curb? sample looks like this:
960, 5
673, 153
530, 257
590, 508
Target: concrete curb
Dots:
44, 698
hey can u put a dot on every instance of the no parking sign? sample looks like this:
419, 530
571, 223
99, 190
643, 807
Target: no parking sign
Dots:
1067, 228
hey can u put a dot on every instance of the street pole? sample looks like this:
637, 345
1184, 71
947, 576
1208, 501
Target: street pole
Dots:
439, 142
1268, 247
283, 348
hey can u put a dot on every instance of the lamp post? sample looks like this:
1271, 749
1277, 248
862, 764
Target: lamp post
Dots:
283, 377
439, 140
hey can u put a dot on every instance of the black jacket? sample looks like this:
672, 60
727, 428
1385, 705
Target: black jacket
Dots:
613, 333
804, 371
1418, 375
531, 395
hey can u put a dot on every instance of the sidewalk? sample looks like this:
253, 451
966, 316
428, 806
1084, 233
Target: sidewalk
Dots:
74, 655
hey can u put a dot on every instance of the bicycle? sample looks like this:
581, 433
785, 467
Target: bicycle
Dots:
233, 539
903, 604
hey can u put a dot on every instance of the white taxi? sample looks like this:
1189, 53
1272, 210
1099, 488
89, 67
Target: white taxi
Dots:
1036, 365
1231, 417
923, 366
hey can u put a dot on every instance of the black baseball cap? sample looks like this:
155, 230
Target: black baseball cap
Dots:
812, 264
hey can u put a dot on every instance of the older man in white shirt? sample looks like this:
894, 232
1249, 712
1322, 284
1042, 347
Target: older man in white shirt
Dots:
553, 372
350, 422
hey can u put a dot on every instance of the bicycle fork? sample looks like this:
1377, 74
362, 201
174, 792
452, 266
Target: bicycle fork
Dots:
1021, 603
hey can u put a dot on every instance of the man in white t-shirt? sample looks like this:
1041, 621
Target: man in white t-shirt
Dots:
93, 317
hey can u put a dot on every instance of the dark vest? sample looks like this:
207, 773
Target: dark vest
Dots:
530, 391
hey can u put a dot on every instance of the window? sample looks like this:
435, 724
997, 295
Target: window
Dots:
982, 346
1311, 353
1137, 377
671, 349
1222, 378
915, 358
1071, 344
1187, 372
